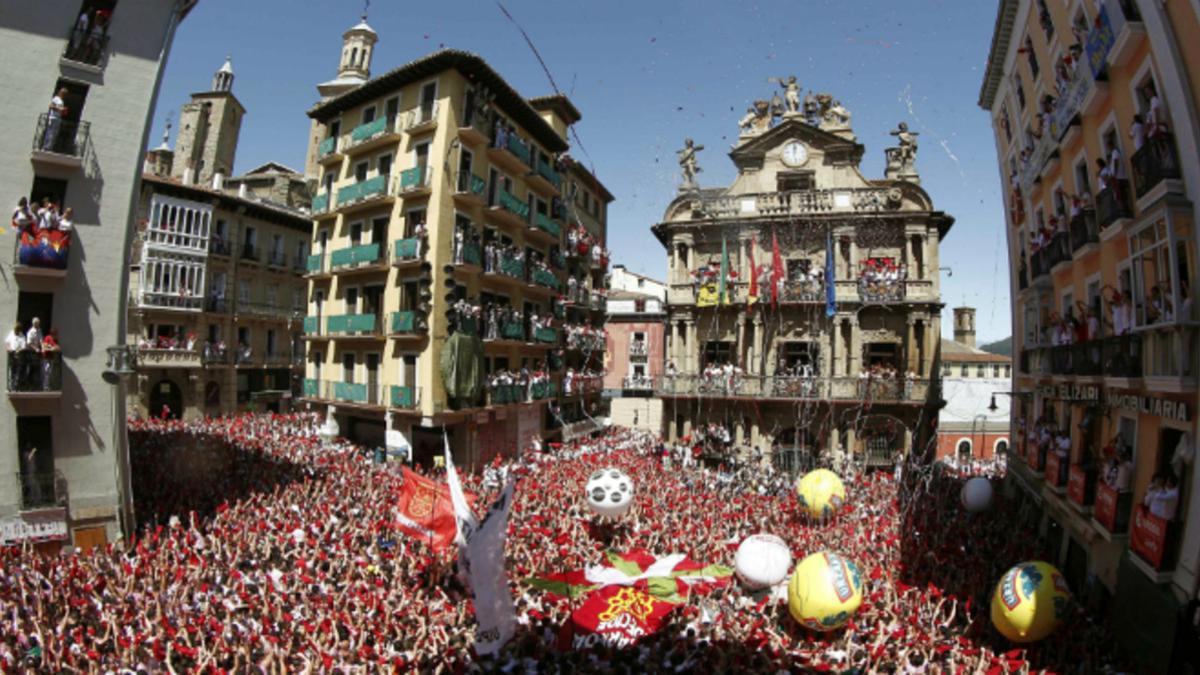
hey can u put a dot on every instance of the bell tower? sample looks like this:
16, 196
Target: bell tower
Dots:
209, 126
354, 66
964, 326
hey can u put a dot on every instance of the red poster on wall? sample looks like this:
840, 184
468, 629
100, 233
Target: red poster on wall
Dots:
1148, 536
1077, 485
1106, 506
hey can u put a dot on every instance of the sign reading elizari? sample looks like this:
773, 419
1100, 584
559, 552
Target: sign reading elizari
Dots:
14, 530
1070, 392
1150, 405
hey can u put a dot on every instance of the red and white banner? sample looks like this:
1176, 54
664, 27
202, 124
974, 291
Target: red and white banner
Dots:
424, 511
614, 616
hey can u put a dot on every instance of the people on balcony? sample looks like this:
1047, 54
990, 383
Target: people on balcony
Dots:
882, 278
1118, 471
1120, 309
51, 356
494, 252
54, 115
23, 219
725, 377
14, 346
1162, 497
1159, 309
497, 315
586, 338
214, 351
1157, 120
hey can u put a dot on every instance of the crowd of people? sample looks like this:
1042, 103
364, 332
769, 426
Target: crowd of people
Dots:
262, 549
882, 380
46, 217
725, 377
585, 338
580, 243
882, 279
495, 253
581, 380
34, 358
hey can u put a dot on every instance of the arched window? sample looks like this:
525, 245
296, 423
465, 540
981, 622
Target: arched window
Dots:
964, 450
1001, 447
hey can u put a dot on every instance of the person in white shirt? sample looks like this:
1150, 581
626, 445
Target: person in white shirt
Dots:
1115, 164
33, 338
14, 344
66, 221
1137, 132
54, 115
1162, 497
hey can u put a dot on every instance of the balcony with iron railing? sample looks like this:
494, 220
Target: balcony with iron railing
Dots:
877, 390
771, 204
1154, 540
250, 253
470, 188
1111, 509
168, 358
1081, 485
468, 252
61, 142
1156, 162
34, 375
357, 393
543, 224
404, 323
86, 47
42, 489
170, 300
353, 257
508, 265
329, 149
544, 178
370, 135
1122, 356
407, 250
639, 349
509, 210
1083, 231
320, 204
544, 278
404, 397
1113, 205
277, 259
415, 181
421, 118
510, 151
638, 382
546, 335
363, 193
353, 325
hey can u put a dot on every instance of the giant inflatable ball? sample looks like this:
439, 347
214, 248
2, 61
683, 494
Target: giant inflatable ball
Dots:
609, 492
762, 560
825, 591
977, 494
1030, 601
820, 492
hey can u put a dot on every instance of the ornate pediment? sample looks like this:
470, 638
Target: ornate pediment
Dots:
752, 151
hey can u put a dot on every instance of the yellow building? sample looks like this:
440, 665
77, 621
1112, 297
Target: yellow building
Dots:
803, 300
442, 204
1094, 107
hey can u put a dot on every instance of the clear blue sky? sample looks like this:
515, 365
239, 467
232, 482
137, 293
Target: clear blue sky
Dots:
645, 75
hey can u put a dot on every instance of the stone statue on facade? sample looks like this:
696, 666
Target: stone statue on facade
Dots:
901, 160
838, 116
746, 124
758, 118
687, 163
777, 108
791, 92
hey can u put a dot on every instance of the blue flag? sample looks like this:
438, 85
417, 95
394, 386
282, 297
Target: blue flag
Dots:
830, 291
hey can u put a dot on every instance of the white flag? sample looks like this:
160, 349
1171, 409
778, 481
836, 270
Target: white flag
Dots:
483, 560
463, 515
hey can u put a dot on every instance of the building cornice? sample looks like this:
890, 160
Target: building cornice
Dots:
1006, 15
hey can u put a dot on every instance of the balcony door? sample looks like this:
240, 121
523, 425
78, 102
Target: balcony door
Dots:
373, 379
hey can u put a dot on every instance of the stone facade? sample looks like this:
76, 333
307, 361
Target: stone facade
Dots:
75, 489
788, 373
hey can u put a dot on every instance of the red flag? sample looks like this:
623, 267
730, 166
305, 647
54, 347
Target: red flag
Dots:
426, 512
617, 616
777, 273
753, 280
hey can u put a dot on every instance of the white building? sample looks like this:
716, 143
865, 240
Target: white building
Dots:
85, 155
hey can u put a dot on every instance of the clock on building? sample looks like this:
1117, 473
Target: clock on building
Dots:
795, 154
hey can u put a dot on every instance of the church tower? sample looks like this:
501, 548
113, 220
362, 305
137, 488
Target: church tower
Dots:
354, 67
209, 126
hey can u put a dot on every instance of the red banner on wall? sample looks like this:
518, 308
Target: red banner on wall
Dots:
1077, 485
1106, 506
1053, 469
1148, 536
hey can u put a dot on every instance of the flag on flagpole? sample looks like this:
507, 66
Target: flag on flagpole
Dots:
463, 515
777, 273
830, 289
424, 511
722, 290
753, 280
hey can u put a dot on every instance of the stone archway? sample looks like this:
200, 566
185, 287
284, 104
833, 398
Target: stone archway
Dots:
166, 393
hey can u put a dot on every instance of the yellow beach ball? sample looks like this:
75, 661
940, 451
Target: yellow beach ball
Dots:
1030, 601
825, 591
821, 492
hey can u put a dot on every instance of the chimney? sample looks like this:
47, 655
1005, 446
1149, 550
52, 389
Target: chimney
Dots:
964, 326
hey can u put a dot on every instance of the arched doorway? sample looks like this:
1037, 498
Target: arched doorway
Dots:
1001, 449
795, 451
964, 451
166, 393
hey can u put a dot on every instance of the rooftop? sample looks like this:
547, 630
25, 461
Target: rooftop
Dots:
256, 208
957, 352
472, 67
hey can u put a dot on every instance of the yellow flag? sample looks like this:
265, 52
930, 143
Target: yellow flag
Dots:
708, 295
